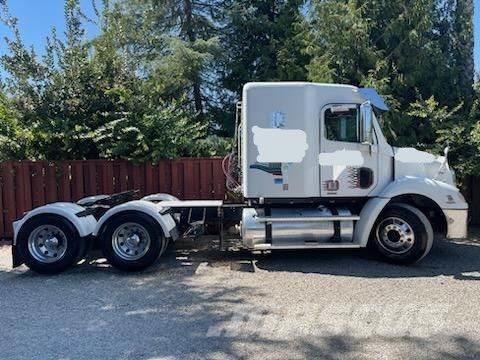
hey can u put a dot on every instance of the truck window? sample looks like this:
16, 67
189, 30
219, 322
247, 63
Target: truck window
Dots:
341, 124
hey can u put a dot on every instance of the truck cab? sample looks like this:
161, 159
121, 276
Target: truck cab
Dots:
304, 140
318, 149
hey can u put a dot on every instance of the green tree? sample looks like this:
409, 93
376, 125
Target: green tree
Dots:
175, 43
419, 57
15, 140
262, 42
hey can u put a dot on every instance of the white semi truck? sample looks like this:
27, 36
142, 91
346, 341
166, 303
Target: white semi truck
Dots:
314, 170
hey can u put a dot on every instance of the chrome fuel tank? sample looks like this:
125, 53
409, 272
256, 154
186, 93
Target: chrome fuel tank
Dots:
294, 231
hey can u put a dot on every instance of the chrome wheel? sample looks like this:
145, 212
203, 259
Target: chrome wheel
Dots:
395, 235
47, 243
131, 241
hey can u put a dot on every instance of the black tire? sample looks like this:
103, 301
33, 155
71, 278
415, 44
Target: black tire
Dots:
402, 234
118, 257
74, 244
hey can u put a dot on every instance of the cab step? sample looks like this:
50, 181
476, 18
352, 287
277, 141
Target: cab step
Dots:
306, 245
269, 219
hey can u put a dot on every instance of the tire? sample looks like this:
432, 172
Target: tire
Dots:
402, 234
49, 244
143, 244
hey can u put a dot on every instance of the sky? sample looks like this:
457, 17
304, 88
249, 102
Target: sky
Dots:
36, 18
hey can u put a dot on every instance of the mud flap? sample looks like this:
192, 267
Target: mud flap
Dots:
16, 257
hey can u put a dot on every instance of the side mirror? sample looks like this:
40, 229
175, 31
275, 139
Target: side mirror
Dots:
366, 123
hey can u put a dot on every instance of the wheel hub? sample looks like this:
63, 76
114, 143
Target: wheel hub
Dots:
52, 242
47, 243
134, 240
395, 235
131, 241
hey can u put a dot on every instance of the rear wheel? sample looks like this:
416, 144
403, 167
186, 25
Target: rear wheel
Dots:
132, 241
49, 244
402, 234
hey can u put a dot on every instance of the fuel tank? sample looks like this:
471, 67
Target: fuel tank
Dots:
295, 227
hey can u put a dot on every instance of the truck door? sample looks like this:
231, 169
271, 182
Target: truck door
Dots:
348, 168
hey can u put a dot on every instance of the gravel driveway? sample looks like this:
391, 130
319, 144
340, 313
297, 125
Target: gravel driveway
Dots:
205, 304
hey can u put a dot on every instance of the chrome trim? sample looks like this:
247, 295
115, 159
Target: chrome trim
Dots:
456, 223
307, 246
307, 219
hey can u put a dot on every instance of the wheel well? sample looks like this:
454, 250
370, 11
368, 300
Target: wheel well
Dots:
39, 216
430, 208
128, 212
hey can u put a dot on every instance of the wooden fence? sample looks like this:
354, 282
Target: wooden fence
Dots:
28, 184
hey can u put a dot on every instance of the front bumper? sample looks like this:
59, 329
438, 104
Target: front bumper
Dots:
457, 220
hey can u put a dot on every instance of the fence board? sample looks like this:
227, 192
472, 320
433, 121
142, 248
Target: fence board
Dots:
188, 180
177, 179
107, 181
165, 177
8, 199
474, 201
218, 188
23, 189
206, 180
77, 179
27, 184
90, 178
149, 181
123, 174
138, 180
51, 193
2, 214
64, 186
38, 189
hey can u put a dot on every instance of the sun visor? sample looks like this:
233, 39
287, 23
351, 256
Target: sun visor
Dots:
376, 100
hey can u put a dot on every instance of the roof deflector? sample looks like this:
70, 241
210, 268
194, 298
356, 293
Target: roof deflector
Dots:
376, 100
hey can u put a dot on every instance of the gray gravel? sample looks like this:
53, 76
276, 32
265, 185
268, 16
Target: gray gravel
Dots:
205, 304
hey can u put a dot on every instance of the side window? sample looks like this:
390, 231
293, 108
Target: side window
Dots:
342, 123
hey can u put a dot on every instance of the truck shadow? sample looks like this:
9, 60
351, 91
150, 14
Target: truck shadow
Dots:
460, 259
176, 310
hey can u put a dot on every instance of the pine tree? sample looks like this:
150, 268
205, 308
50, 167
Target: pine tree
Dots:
177, 45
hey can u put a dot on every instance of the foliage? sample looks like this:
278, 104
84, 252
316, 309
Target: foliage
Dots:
15, 140
162, 77
418, 57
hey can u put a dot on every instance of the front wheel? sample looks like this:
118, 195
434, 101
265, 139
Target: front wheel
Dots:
402, 234
132, 241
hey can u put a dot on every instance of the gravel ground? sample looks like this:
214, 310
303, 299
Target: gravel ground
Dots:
205, 304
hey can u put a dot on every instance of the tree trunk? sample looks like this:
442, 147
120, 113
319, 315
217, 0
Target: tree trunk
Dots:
464, 47
190, 35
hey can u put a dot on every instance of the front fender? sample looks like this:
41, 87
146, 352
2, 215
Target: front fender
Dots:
446, 196
85, 225
165, 221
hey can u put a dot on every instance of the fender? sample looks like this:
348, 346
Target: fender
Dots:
368, 216
446, 196
160, 197
85, 225
165, 221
